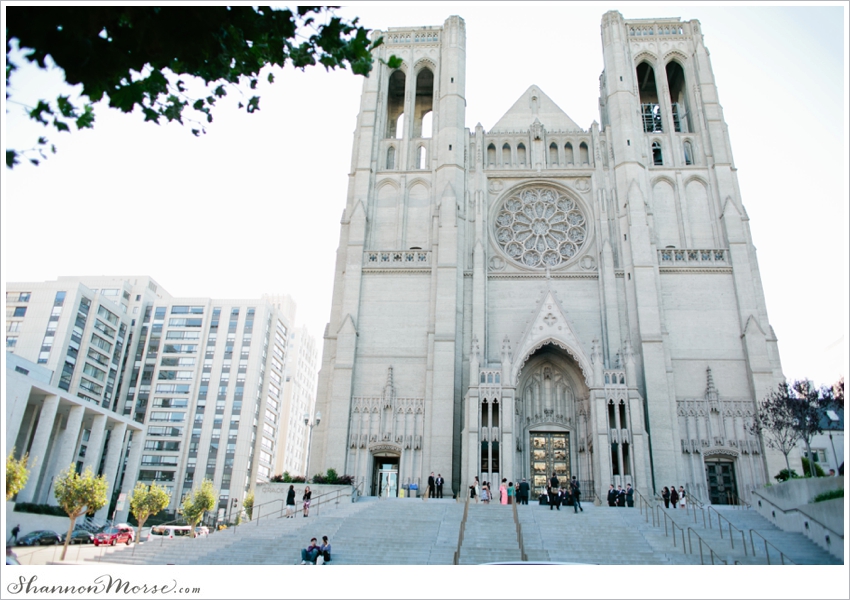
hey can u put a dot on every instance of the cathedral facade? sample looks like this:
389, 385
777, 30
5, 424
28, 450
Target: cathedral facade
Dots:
541, 297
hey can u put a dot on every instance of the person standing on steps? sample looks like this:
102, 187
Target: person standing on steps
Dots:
290, 502
503, 492
674, 497
524, 491
306, 500
439, 482
575, 488
612, 496
511, 492
630, 495
553, 492
682, 502
621, 496
432, 490
665, 495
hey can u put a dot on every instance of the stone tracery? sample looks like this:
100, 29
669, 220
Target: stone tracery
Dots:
540, 228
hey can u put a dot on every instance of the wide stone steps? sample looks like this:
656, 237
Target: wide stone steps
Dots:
489, 535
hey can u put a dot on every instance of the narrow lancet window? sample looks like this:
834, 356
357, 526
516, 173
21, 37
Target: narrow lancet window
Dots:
422, 111
568, 154
678, 97
657, 159
395, 105
650, 109
553, 154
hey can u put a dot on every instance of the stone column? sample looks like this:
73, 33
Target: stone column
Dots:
95, 443
68, 446
110, 468
131, 473
38, 450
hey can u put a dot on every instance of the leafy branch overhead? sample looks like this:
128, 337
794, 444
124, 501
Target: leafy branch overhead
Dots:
143, 56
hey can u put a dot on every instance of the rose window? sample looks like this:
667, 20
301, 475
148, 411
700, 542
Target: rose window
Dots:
540, 228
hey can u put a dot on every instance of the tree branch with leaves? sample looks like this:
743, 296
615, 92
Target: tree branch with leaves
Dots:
198, 502
17, 473
146, 57
147, 501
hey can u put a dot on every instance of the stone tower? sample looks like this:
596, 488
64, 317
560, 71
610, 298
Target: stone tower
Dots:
541, 297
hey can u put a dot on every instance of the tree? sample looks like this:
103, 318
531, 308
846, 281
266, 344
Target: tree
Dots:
198, 502
838, 393
248, 505
774, 422
17, 473
809, 405
147, 501
148, 56
78, 495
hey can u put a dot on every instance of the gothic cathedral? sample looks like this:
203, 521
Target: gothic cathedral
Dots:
540, 297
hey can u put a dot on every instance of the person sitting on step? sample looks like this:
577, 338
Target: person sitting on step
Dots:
310, 553
325, 550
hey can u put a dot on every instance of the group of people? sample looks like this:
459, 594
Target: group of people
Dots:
674, 498
290, 502
567, 495
316, 554
508, 492
435, 485
620, 496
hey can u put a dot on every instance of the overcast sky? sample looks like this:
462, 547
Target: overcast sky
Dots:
254, 206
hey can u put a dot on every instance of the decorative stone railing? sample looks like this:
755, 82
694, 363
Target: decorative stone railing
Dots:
397, 258
656, 29
425, 37
681, 257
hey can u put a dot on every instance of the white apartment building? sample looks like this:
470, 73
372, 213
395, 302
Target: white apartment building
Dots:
205, 376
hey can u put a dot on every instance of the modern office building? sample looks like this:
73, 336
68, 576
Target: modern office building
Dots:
204, 376
543, 296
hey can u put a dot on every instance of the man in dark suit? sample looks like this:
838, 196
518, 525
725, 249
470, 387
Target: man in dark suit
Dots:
524, 491
439, 482
431, 485
621, 496
630, 495
612, 496
575, 490
554, 501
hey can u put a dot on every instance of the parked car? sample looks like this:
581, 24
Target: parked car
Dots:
169, 532
112, 536
129, 528
42, 537
79, 536
202, 530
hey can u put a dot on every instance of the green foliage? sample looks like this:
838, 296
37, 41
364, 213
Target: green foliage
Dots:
198, 502
807, 468
783, 475
147, 501
248, 505
16, 473
79, 494
40, 509
830, 495
142, 56
332, 478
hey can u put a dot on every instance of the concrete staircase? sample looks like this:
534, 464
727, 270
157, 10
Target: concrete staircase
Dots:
489, 536
408, 531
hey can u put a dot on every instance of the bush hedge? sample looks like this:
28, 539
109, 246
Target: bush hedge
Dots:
830, 495
40, 509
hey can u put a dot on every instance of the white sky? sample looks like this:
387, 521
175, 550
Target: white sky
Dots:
254, 206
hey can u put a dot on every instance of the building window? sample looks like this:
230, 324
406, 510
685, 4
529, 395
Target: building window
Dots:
20, 311
657, 159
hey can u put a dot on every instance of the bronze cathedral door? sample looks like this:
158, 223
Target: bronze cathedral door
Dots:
550, 453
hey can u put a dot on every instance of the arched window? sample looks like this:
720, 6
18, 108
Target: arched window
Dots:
424, 103
650, 109
491, 155
520, 154
395, 105
485, 414
657, 159
568, 154
678, 97
391, 158
689, 153
422, 158
553, 154
427, 124
584, 154
506, 154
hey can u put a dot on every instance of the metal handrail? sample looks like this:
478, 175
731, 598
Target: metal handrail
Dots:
460, 532
797, 510
643, 502
314, 502
712, 553
782, 555
674, 526
731, 527
740, 502
522, 554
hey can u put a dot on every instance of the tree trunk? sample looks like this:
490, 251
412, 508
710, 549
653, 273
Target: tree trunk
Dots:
141, 524
68, 536
811, 459
788, 467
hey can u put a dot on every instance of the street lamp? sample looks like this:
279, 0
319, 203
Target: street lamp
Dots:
310, 425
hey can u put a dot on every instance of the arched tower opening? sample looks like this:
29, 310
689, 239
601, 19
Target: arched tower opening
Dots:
678, 97
423, 109
650, 109
395, 105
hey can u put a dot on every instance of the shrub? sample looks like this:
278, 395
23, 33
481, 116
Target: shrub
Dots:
830, 495
40, 509
807, 470
783, 475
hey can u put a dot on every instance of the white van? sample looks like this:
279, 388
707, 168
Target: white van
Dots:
169, 532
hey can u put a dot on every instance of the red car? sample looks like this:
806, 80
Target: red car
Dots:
112, 536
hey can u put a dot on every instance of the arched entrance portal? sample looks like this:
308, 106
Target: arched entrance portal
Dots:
721, 480
385, 466
552, 417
